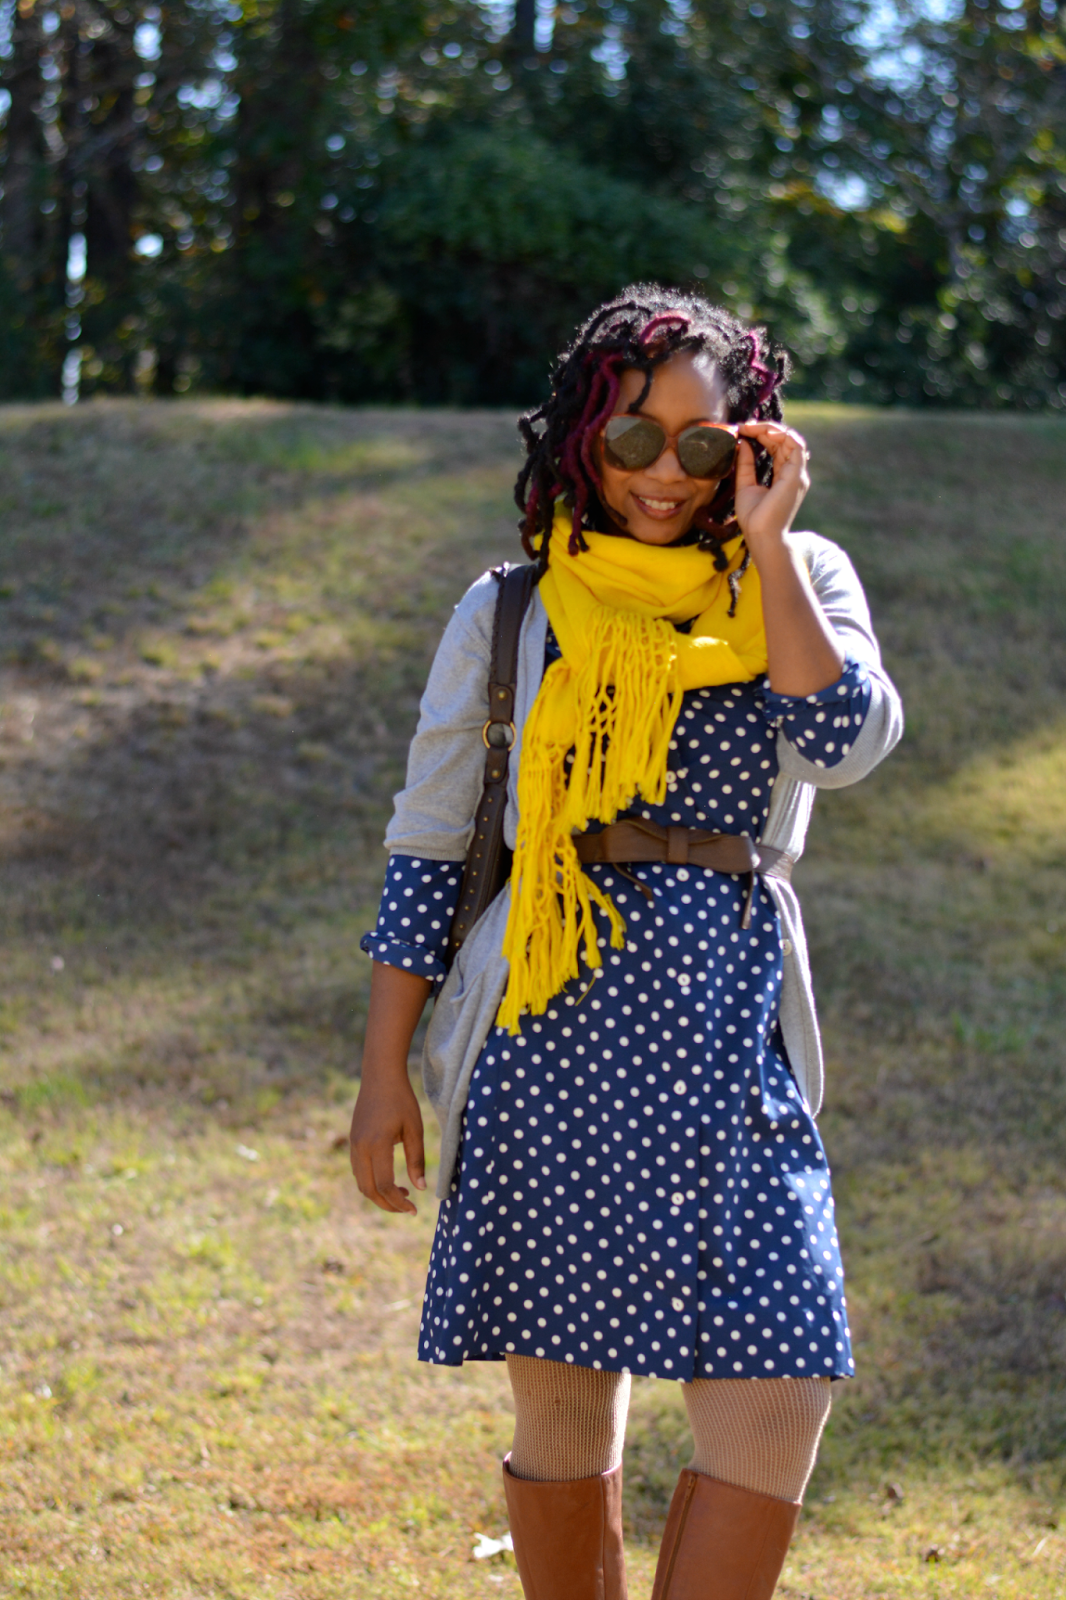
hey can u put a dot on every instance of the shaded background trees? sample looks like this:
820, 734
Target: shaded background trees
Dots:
393, 199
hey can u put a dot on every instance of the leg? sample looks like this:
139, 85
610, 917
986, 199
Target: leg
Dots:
563, 1479
735, 1508
570, 1422
758, 1433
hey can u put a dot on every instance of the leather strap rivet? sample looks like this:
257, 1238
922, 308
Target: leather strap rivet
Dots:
498, 734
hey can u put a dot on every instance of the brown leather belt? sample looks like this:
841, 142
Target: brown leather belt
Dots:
633, 839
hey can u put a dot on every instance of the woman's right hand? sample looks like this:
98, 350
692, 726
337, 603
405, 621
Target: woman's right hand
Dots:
387, 1112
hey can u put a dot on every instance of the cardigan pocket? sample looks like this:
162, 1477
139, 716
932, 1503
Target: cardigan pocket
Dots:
462, 1020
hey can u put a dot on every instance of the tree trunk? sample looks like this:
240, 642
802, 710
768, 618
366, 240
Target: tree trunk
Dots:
106, 164
523, 31
272, 337
25, 173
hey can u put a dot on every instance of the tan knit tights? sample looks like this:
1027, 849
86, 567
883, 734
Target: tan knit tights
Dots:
759, 1434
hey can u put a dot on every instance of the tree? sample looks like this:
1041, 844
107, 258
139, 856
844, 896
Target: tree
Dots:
964, 158
296, 65
417, 198
483, 252
30, 281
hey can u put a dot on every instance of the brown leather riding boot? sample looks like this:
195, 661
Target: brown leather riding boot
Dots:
568, 1536
722, 1543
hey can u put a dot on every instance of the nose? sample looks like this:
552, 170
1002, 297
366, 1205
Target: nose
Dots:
668, 468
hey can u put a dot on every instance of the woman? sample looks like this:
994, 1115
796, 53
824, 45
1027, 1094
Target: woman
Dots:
625, 1057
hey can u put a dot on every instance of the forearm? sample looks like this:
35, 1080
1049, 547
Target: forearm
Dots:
397, 1000
803, 653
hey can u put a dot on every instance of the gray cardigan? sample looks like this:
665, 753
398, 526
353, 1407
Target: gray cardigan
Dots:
434, 819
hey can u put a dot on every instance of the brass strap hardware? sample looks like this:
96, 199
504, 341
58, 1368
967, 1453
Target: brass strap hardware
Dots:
488, 859
498, 735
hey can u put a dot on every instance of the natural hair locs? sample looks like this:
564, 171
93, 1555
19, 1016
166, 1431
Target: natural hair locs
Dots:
641, 329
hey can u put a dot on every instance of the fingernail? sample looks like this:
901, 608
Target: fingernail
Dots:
420, 1183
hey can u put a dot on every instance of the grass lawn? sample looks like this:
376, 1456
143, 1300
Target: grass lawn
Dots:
215, 621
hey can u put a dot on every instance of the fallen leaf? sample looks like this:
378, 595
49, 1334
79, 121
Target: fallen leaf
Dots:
491, 1547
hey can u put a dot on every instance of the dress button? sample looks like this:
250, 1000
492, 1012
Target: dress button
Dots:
677, 1199
786, 947
678, 1305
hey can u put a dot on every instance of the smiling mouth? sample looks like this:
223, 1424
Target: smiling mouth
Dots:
658, 508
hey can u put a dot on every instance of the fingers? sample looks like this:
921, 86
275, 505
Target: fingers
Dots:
781, 442
373, 1170
376, 1177
362, 1157
766, 510
390, 1195
414, 1150
745, 471
758, 429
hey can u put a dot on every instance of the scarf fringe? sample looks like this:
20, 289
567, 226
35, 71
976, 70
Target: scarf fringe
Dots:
617, 712
610, 706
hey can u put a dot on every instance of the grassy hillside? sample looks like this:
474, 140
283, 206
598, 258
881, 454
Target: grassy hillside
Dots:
215, 619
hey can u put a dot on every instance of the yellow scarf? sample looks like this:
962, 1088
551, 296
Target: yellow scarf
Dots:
613, 698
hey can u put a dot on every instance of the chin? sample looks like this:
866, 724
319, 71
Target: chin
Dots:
658, 532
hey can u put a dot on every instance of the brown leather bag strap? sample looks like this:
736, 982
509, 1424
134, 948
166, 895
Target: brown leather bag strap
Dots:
487, 863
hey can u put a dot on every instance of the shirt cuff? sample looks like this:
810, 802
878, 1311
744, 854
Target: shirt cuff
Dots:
822, 727
409, 957
854, 676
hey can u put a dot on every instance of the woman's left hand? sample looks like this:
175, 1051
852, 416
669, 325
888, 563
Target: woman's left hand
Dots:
765, 512
804, 654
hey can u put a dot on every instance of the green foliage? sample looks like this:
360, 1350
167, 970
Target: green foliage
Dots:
484, 251
319, 199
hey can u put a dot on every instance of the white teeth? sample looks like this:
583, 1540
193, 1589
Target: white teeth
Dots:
661, 505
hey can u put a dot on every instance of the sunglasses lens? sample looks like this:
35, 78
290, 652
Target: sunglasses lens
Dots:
706, 452
632, 442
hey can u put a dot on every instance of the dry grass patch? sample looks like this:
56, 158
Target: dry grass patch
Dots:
215, 621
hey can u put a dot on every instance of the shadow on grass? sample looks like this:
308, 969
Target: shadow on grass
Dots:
219, 622
219, 619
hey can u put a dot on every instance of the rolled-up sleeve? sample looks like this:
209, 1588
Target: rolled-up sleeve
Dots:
823, 727
876, 701
415, 916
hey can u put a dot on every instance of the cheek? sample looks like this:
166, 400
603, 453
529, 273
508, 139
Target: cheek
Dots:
615, 484
706, 490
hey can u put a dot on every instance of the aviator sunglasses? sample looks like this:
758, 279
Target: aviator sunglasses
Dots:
705, 450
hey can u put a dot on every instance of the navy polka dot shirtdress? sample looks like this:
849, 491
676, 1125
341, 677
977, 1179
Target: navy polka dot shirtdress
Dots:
641, 1186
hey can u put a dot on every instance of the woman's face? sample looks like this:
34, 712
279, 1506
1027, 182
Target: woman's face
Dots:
656, 504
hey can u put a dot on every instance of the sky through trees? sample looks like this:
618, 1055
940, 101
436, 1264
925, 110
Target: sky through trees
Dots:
413, 200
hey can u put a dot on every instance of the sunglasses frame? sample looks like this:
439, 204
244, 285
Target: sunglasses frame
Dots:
670, 441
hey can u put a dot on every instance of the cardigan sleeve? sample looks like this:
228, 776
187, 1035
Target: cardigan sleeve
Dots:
840, 594
434, 811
